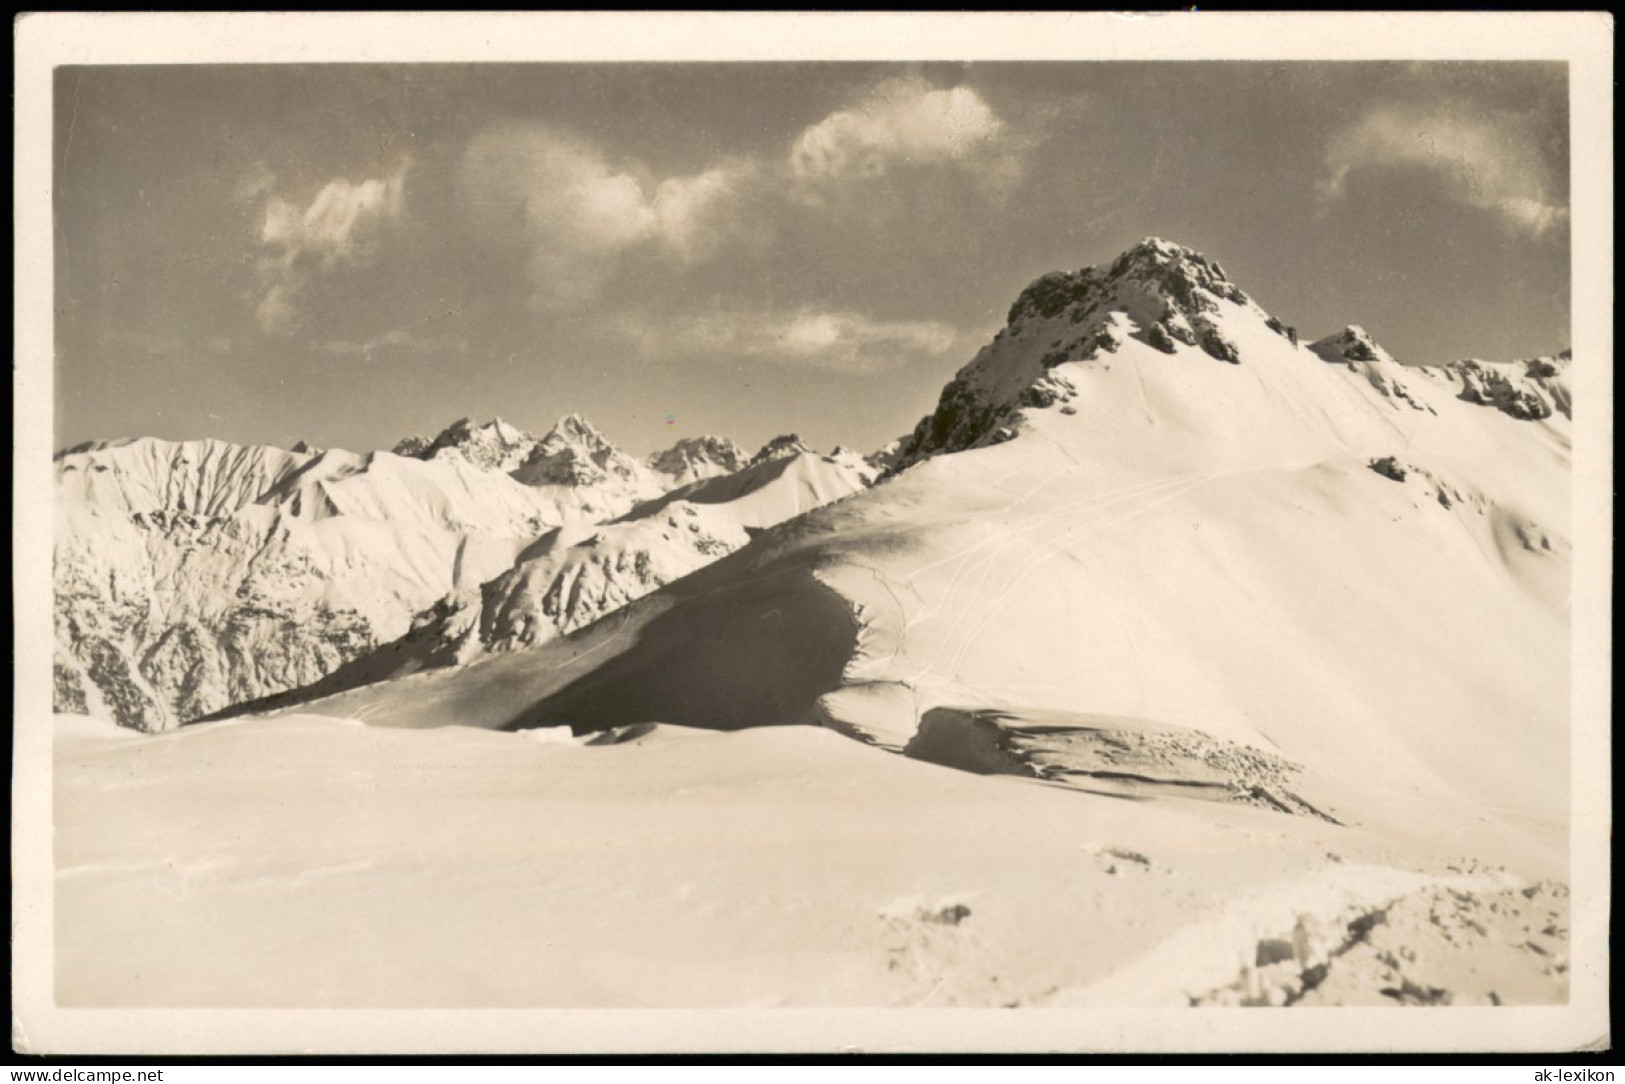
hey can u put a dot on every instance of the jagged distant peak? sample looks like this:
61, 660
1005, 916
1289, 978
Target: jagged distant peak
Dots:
495, 445
885, 458
692, 455
1353, 343
574, 429
575, 453
781, 447
465, 429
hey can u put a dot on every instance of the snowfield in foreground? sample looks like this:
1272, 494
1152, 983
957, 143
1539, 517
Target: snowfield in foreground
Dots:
307, 861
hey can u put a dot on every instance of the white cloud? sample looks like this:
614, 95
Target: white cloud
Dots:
1488, 162
343, 225
839, 341
578, 214
397, 340
902, 121
689, 210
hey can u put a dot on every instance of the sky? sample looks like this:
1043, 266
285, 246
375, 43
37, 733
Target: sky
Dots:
350, 254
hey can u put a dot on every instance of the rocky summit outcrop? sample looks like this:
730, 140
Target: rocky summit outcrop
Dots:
1531, 389
1357, 351
780, 447
1353, 343
1157, 292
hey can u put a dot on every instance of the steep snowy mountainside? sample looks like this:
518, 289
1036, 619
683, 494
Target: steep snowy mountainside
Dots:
576, 575
1192, 528
192, 575
695, 458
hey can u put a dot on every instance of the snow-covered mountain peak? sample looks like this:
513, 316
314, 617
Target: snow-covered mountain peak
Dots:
575, 453
694, 458
1155, 283
575, 429
1160, 294
781, 447
496, 445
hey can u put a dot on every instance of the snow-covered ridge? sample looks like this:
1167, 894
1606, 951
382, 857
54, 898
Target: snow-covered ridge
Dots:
1531, 389
192, 575
200, 477
1182, 304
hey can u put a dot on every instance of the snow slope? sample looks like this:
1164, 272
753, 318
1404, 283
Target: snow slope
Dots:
277, 863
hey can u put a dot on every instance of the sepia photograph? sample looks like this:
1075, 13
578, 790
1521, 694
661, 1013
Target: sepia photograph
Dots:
949, 533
